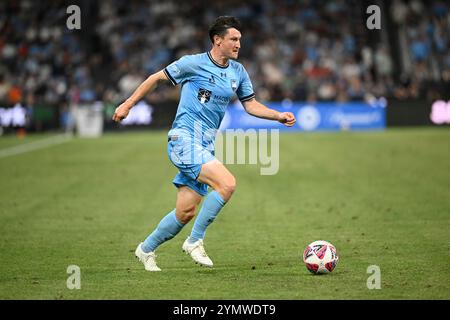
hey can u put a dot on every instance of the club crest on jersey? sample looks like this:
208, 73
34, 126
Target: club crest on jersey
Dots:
203, 95
233, 85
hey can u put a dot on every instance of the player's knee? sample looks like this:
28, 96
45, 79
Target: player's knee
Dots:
227, 188
231, 187
186, 214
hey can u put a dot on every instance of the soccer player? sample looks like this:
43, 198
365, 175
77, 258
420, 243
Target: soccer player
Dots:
208, 82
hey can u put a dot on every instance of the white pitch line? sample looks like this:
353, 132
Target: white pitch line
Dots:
32, 146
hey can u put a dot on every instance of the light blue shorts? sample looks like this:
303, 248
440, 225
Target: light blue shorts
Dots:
188, 156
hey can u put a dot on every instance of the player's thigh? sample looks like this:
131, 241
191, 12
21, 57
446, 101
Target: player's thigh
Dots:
187, 200
216, 175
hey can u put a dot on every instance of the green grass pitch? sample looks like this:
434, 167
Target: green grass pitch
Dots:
382, 198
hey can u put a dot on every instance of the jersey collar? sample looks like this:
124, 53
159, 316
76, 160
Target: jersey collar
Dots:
216, 63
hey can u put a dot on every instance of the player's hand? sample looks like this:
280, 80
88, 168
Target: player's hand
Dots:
122, 111
286, 118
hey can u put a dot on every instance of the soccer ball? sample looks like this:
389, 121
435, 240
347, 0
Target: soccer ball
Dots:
320, 257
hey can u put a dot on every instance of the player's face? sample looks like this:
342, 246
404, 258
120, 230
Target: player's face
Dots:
231, 43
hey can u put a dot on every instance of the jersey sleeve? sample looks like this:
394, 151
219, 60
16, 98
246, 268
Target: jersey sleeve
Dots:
245, 89
180, 70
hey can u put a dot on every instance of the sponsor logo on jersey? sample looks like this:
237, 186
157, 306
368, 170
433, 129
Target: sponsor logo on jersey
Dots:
203, 95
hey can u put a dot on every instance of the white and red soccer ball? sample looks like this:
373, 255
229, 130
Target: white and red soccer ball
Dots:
320, 257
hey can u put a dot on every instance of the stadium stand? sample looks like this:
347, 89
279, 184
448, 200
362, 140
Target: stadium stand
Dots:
297, 50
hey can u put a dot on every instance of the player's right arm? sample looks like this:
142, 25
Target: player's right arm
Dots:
145, 87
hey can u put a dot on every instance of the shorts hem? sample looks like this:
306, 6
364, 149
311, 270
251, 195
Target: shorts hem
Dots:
179, 184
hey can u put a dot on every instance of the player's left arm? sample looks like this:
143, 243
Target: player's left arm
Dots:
259, 110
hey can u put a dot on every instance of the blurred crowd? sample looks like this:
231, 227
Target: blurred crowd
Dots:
296, 50
424, 31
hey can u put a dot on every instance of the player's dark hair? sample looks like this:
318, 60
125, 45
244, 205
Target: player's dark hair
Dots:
221, 25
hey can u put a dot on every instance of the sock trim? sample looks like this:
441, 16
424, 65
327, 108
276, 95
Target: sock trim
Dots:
218, 197
178, 222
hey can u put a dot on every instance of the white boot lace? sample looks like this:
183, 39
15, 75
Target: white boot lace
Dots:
147, 258
201, 248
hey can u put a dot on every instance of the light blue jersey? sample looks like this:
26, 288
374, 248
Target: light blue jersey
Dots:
207, 89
